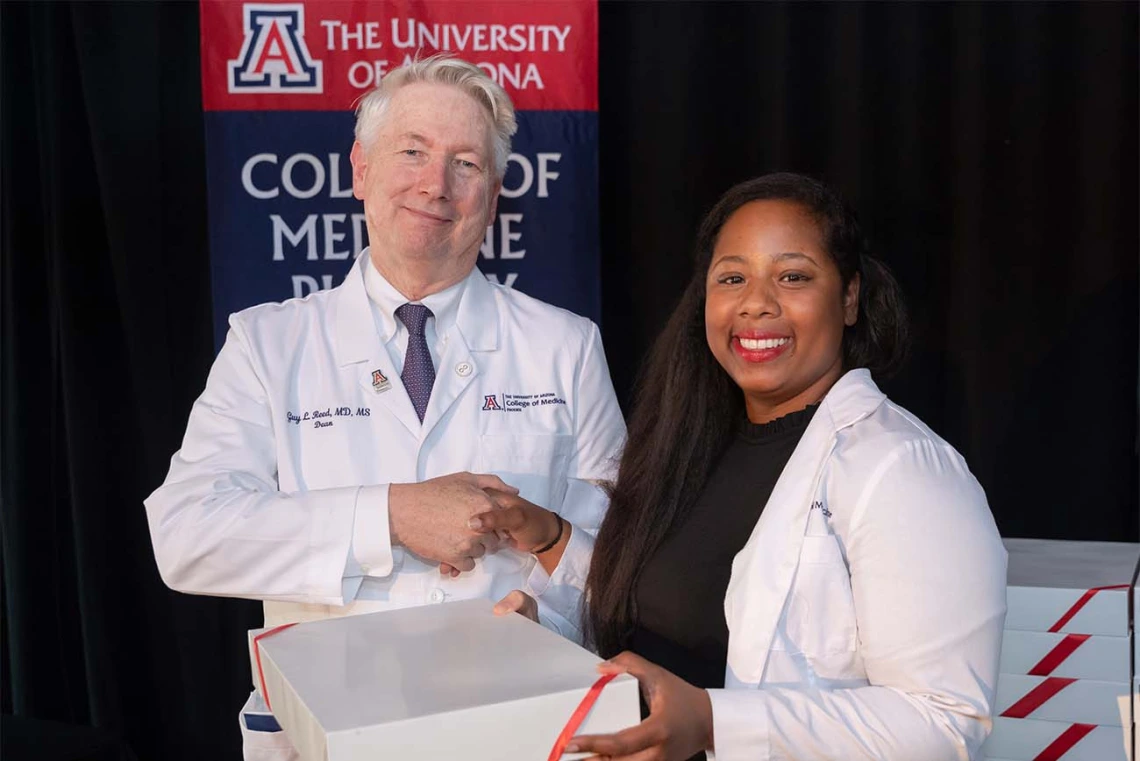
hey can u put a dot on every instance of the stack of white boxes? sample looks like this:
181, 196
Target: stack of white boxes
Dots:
1068, 682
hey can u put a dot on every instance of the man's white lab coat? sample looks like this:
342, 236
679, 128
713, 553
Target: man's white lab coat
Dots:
303, 415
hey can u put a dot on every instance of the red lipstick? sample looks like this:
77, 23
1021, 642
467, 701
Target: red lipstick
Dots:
754, 353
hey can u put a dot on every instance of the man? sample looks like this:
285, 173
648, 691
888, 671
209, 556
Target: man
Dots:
344, 441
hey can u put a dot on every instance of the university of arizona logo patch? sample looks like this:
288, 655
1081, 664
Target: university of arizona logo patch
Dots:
491, 402
379, 382
273, 56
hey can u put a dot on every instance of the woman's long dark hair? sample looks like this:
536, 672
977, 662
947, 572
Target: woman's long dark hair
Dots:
686, 405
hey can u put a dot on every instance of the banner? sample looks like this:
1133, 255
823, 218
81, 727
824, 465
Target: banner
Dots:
279, 85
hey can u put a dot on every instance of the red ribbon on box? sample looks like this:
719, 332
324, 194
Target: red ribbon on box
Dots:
1071, 642
1066, 740
1058, 654
578, 717
1037, 697
1088, 595
1033, 700
257, 656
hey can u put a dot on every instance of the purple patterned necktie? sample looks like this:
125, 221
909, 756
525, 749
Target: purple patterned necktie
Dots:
419, 373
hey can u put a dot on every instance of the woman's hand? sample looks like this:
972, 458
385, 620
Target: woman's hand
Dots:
521, 525
517, 602
525, 525
680, 721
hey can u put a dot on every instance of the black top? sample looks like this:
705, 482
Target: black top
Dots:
680, 593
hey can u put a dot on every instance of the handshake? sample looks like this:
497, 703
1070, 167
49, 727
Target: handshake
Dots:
457, 518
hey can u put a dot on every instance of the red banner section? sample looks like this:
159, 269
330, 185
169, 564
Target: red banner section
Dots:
322, 56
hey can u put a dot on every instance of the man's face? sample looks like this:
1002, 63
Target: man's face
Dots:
428, 181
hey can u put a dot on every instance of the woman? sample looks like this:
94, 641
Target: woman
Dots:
795, 567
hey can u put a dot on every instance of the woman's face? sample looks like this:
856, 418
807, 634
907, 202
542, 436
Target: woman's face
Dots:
776, 307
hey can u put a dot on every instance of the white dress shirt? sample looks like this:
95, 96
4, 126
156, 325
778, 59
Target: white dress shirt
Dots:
371, 536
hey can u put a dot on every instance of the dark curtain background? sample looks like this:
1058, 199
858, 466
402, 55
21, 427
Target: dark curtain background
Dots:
991, 148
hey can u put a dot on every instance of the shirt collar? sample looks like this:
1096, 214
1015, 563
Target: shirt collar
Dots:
444, 305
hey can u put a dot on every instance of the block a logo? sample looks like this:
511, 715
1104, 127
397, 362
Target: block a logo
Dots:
273, 56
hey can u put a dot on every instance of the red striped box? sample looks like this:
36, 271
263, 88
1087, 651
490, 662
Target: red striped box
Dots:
1033, 740
1077, 656
1053, 698
1070, 587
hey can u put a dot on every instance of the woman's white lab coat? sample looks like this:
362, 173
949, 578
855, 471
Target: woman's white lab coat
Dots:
865, 611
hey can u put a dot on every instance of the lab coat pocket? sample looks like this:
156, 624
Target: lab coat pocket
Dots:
258, 744
821, 612
535, 464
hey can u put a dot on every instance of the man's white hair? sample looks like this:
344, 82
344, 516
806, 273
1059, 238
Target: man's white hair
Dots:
442, 69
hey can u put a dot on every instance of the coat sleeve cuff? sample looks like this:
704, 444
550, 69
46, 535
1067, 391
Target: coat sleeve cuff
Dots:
371, 552
582, 508
559, 595
329, 541
571, 572
557, 623
740, 725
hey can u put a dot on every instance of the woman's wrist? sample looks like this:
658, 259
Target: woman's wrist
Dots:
555, 536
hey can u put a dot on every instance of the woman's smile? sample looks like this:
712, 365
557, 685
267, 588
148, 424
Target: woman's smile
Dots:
760, 348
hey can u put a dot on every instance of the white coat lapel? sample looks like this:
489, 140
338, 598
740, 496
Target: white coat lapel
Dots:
762, 572
358, 345
476, 330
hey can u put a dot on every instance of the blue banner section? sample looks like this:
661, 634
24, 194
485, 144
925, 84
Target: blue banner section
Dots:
283, 222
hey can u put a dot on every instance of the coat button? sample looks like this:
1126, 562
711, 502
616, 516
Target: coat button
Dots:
437, 595
463, 369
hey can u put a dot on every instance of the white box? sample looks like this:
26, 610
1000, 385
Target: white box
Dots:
1079, 700
1050, 586
1025, 739
1078, 656
438, 681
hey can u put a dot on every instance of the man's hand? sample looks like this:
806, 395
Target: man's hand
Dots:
431, 518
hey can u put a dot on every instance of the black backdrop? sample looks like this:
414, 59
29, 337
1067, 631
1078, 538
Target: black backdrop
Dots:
991, 148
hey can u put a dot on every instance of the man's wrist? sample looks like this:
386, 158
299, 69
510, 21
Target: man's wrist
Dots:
397, 495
